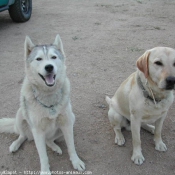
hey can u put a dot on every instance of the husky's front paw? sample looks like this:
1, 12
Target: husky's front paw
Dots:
78, 164
138, 159
45, 168
160, 146
45, 172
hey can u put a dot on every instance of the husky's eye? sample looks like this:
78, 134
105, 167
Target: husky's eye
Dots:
39, 59
174, 64
158, 63
54, 57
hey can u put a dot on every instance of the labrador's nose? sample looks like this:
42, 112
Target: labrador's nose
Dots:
170, 82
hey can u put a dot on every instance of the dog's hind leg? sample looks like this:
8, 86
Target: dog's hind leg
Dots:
19, 128
17, 143
116, 120
53, 146
149, 128
159, 144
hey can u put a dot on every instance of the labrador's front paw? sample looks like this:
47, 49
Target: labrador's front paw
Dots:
160, 146
138, 159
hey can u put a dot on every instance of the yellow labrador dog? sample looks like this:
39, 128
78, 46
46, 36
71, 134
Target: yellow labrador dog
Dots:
144, 98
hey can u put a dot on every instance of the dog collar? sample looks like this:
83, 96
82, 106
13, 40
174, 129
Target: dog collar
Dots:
52, 108
145, 92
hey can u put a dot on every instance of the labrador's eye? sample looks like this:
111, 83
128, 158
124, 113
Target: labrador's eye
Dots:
158, 63
39, 59
54, 57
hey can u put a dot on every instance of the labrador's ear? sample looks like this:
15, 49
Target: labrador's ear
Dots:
142, 63
28, 46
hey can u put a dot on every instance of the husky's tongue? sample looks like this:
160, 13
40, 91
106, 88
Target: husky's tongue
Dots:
50, 79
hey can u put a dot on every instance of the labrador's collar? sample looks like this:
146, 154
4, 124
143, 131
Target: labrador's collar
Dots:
145, 92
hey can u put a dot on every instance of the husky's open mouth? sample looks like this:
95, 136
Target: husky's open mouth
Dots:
49, 79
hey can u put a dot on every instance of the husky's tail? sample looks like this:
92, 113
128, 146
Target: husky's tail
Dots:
7, 125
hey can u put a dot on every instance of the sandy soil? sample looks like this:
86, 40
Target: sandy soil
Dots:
102, 40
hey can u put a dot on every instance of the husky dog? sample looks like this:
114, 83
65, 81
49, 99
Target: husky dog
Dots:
45, 112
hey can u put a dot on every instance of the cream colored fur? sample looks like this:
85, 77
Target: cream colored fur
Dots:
155, 67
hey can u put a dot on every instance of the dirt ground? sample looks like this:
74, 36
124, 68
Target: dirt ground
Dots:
102, 41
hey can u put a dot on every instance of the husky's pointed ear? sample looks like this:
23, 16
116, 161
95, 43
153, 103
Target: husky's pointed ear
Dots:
142, 63
28, 46
59, 45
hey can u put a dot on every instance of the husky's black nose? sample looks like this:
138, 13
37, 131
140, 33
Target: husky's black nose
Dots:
170, 82
49, 68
